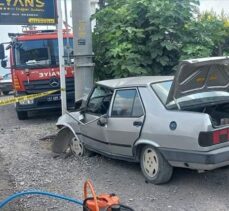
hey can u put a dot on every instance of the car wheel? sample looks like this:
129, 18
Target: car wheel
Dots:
22, 115
154, 167
76, 146
5, 92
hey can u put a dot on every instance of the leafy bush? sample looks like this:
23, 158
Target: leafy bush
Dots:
208, 36
149, 37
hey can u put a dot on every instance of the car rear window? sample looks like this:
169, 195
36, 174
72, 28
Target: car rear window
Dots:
162, 90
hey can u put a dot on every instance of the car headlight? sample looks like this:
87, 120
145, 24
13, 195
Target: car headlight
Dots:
26, 102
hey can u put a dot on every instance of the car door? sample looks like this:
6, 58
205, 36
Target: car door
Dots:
125, 122
97, 105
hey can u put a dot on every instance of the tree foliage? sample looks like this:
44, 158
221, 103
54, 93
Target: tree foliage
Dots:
208, 36
145, 37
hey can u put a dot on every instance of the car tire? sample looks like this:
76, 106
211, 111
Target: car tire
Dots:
22, 115
76, 146
67, 142
5, 92
154, 166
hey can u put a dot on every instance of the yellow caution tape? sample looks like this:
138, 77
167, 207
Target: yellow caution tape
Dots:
12, 100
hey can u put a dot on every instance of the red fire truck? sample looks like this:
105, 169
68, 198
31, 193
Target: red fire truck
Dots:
34, 65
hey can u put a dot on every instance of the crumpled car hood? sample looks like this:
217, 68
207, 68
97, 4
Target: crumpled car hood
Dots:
200, 75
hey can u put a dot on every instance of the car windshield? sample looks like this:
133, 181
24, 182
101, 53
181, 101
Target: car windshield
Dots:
39, 53
162, 91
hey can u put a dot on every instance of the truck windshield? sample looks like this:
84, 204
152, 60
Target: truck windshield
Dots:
7, 77
39, 53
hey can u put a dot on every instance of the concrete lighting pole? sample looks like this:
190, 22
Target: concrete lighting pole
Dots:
67, 32
83, 66
61, 58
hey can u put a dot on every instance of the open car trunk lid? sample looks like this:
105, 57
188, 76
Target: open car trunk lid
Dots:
200, 75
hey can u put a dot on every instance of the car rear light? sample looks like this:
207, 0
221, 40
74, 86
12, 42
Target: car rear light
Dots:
214, 137
16, 83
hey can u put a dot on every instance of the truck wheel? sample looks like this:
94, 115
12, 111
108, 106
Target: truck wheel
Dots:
5, 92
22, 115
67, 142
154, 167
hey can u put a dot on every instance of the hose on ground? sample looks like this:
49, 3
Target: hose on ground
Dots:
37, 192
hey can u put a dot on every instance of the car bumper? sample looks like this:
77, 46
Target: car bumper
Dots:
197, 160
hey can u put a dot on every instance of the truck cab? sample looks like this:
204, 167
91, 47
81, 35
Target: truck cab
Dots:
34, 64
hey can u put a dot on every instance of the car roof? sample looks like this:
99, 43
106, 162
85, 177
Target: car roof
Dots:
133, 81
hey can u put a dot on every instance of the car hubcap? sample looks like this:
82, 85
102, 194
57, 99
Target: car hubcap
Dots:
76, 146
150, 162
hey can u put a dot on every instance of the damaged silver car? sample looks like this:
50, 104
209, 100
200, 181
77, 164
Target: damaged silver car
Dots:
160, 121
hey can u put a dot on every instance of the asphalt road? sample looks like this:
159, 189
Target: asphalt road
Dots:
27, 162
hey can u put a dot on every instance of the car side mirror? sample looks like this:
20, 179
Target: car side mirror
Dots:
2, 52
103, 120
80, 105
3, 63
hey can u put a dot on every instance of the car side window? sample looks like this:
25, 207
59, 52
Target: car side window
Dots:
99, 101
137, 108
127, 103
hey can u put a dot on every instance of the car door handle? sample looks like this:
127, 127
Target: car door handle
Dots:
137, 123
